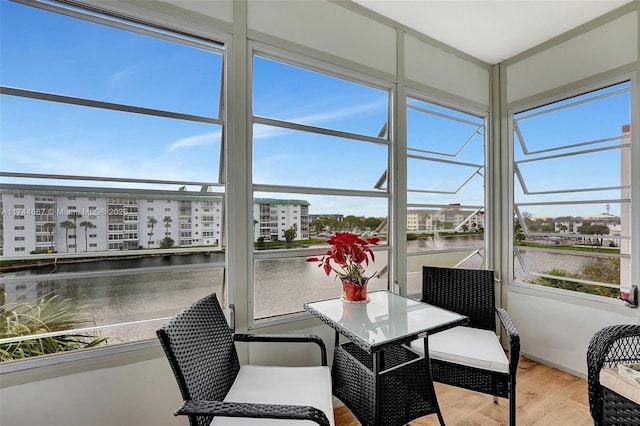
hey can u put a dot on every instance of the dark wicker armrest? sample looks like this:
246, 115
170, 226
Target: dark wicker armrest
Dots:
512, 336
263, 411
286, 338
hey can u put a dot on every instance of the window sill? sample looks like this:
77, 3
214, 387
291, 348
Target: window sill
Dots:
573, 297
50, 366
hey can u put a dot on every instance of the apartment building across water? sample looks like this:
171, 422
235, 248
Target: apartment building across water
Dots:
70, 221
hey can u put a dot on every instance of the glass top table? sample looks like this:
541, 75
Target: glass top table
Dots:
386, 319
376, 374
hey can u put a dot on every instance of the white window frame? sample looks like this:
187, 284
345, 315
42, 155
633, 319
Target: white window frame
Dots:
634, 138
333, 70
124, 16
484, 115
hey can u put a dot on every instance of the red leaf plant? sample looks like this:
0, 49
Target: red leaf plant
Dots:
346, 257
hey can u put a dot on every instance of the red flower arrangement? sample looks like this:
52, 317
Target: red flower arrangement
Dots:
346, 257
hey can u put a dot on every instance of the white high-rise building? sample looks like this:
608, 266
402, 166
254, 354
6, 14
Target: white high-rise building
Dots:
67, 221
76, 222
272, 217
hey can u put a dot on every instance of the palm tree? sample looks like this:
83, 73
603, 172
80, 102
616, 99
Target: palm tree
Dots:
86, 225
67, 224
151, 221
167, 224
49, 227
75, 216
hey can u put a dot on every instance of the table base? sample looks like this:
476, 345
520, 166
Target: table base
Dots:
405, 389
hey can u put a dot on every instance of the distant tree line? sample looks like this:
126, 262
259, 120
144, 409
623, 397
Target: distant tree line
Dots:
348, 223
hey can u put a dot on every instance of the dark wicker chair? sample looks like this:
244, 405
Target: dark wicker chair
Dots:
613, 345
201, 350
471, 356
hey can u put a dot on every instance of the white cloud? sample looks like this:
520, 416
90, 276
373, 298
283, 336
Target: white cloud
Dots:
117, 78
338, 113
316, 119
261, 131
206, 139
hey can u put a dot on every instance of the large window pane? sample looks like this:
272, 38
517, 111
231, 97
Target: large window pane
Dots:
445, 189
111, 192
327, 134
572, 193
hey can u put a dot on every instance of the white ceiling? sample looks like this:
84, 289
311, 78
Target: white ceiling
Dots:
492, 30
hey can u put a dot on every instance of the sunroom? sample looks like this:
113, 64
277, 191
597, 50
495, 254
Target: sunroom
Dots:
155, 152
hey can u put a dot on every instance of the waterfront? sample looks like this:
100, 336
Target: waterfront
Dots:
142, 293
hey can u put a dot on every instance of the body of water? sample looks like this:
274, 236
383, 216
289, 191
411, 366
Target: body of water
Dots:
282, 285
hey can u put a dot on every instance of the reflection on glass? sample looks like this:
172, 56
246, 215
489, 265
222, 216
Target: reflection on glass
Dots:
282, 286
133, 304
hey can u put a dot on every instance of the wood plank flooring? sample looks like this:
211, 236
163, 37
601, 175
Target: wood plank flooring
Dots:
545, 397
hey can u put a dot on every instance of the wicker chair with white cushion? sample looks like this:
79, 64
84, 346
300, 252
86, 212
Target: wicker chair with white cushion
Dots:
217, 390
471, 356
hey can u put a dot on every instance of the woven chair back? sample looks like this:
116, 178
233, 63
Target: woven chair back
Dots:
199, 345
469, 292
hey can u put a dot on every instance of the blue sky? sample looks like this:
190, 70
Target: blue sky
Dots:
56, 54
595, 166
108, 65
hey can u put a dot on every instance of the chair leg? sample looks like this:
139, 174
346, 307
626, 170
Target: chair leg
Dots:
512, 405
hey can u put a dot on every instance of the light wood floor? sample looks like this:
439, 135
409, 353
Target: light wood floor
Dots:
545, 397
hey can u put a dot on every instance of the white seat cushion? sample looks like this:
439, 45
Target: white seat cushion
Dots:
467, 346
280, 385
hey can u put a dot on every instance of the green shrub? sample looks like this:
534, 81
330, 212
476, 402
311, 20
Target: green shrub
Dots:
166, 243
601, 270
45, 315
